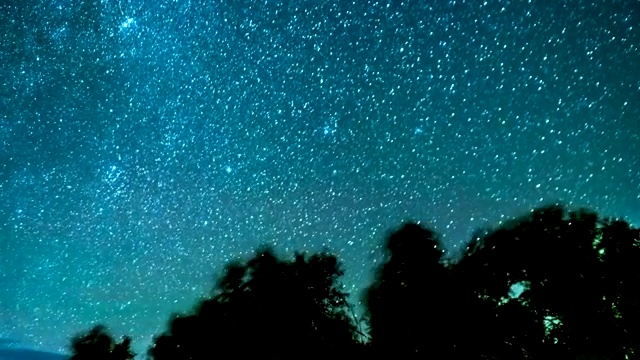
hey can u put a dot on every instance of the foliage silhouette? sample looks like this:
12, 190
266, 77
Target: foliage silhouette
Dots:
551, 254
268, 307
553, 284
619, 249
97, 344
407, 294
417, 306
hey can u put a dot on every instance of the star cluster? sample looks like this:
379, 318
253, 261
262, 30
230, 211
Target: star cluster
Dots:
144, 144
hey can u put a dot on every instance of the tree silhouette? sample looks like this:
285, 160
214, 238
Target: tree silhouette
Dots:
619, 249
97, 344
407, 293
553, 284
551, 256
268, 307
419, 307
406, 298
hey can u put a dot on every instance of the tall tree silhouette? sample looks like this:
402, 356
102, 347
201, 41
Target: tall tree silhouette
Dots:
414, 307
97, 344
268, 308
401, 304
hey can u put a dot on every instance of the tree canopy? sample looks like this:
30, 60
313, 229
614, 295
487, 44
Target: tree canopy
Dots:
267, 307
554, 283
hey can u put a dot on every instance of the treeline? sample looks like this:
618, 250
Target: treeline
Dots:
555, 284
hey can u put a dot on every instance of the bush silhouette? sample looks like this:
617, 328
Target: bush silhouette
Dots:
97, 344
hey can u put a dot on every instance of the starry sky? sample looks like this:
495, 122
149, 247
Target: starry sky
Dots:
143, 144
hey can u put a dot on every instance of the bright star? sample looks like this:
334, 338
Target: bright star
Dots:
127, 23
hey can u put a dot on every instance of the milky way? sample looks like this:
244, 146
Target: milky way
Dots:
143, 144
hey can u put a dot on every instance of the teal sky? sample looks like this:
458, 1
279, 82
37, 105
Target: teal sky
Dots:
145, 144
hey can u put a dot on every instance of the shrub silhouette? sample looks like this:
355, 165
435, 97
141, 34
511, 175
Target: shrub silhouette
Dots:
97, 344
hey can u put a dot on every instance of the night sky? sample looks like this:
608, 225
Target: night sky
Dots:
143, 144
